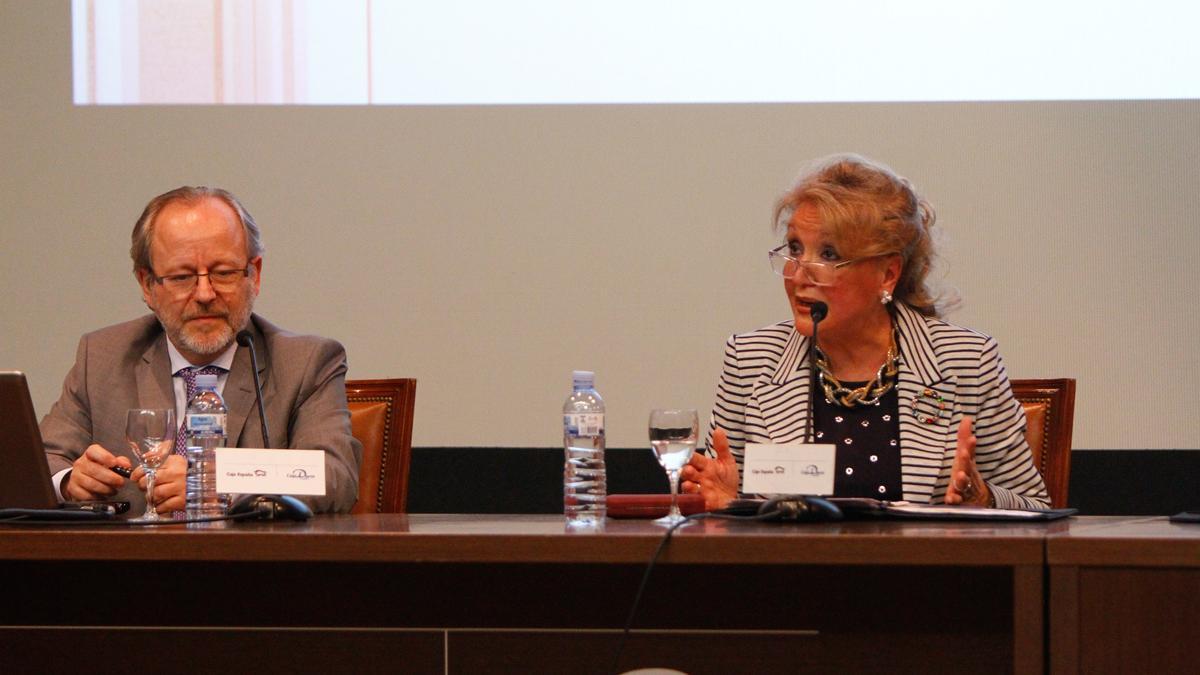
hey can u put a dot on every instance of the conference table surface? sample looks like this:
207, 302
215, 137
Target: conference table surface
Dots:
460, 592
542, 539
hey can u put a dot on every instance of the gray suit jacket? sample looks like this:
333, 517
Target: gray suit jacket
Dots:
946, 372
126, 366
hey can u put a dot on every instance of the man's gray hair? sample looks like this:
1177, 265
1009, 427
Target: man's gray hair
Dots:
143, 230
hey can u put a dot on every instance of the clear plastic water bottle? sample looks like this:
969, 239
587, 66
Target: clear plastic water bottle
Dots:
585, 486
205, 419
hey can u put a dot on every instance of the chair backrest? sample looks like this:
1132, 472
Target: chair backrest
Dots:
1050, 412
381, 416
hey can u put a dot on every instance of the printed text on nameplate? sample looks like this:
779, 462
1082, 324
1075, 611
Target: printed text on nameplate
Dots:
789, 468
584, 424
203, 423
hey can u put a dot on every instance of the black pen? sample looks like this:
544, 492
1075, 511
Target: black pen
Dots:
121, 471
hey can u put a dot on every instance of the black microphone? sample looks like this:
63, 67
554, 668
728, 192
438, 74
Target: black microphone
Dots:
818, 311
245, 339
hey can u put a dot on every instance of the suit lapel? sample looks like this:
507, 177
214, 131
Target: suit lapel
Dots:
926, 401
239, 398
782, 401
155, 387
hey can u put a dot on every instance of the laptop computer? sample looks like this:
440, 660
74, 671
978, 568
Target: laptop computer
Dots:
25, 488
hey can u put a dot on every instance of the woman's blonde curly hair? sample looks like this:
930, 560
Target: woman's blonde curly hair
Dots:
867, 210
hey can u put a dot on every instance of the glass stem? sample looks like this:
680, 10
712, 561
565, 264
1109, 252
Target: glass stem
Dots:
150, 492
675, 495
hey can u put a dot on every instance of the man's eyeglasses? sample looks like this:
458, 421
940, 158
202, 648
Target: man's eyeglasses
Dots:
820, 273
221, 280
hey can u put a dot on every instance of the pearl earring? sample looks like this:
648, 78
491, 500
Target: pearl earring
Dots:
885, 296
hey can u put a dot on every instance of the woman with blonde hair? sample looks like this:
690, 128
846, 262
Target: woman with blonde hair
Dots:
919, 409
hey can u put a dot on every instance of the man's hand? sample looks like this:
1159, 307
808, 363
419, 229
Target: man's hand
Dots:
92, 476
169, 483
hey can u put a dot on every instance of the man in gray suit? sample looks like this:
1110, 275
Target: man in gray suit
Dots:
197, 255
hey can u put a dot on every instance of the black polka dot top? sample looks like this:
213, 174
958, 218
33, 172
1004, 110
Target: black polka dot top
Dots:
867, 439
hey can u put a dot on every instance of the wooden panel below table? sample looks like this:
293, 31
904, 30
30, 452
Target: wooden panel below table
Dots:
511, 617
1124, 620
114, 649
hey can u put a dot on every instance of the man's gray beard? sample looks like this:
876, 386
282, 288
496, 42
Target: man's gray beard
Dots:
216, 343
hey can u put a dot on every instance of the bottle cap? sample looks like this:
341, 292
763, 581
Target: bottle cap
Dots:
206, 382
583, 379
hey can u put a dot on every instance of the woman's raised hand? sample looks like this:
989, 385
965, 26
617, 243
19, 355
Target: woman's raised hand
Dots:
716, 479
966, 485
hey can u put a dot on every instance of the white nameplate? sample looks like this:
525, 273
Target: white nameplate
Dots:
789, 469
272, 472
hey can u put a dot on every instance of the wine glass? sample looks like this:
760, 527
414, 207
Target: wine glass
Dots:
673, 438
150, 433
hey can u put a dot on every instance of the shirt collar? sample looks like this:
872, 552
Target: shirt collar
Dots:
178, 362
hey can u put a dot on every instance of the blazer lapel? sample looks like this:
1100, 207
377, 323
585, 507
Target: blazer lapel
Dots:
239, 398
926, 402
155, 387
782, 401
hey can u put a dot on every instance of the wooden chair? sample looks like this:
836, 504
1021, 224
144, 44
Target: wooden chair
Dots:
1050, 411
381, 416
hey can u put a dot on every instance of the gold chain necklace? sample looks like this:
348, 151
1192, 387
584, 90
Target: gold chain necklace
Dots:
869, 393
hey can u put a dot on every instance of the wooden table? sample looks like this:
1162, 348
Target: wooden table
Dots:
470, 594
1124, 596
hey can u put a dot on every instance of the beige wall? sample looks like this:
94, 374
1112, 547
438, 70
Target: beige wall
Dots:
439, 242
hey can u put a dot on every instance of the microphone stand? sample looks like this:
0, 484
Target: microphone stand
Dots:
818, 313
245, 339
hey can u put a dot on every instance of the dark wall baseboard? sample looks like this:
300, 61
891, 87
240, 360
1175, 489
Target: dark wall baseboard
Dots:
1134, 482
514, 480
529, 480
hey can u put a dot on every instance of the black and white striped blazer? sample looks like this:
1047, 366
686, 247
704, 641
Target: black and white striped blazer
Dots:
946, 372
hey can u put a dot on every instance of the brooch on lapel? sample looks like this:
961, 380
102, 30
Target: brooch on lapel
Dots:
929, 405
